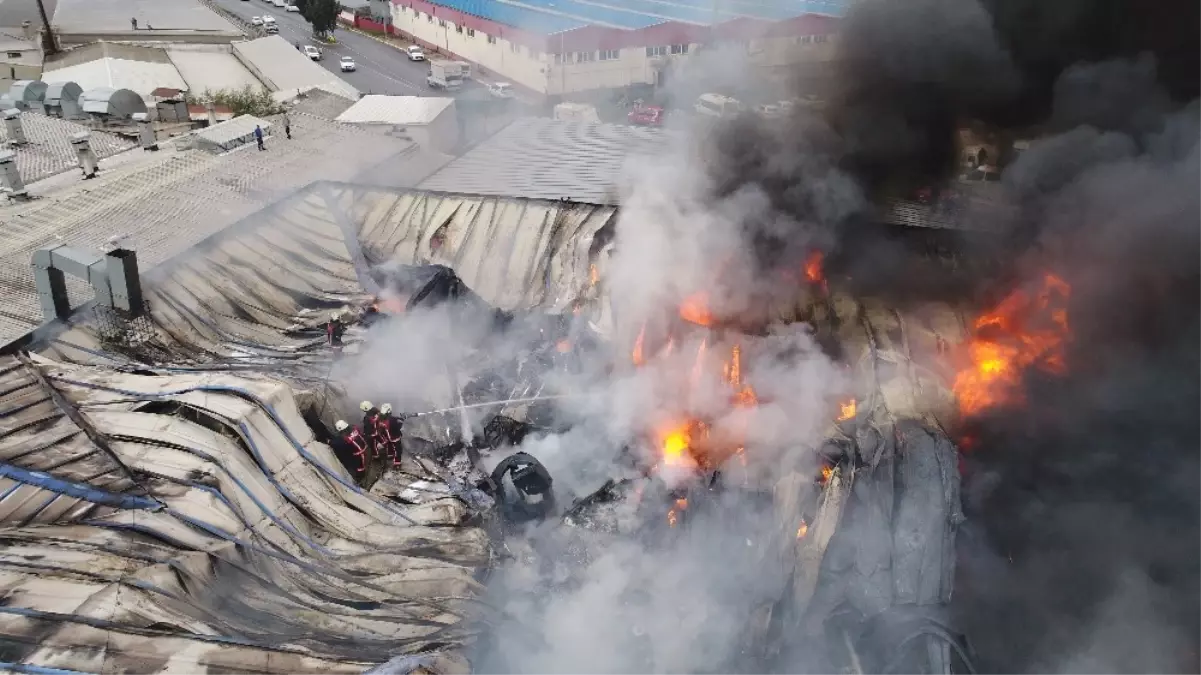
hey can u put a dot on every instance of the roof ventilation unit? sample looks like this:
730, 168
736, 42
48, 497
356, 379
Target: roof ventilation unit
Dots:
146, 131
82, 142
28, 94
16, 130
113, 276
10, 176
62, 100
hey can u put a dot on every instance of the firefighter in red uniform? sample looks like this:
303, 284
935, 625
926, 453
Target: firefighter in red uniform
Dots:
334, 331
370, 424
388, 436
350, 442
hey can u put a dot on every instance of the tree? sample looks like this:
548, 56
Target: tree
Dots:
245, 101
322, 14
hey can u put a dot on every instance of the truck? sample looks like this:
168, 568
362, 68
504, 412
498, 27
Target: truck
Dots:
445, 75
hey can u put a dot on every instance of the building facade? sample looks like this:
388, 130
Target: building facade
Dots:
559, 47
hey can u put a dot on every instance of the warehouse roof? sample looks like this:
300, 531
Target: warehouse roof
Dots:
283, 69
378, 109
552, 16
549, 159
142, 77
108, 16
211, 70
163, 203
49, 150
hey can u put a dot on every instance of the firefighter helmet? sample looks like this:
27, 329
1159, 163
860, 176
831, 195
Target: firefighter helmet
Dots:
386, 408
365, 406
341, 425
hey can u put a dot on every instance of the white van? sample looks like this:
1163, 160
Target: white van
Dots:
716, 105
269, 24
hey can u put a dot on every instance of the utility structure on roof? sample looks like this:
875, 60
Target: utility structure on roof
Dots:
113, 276
556, 47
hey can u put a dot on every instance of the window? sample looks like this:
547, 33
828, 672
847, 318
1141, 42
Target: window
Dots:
820, 38
491, 39
584, 57
470, 32
14, 55
458, 29
610, 54
804, 39
441, 23
679, 49
656, 51
561, 59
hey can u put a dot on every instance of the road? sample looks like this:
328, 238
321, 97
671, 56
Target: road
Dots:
382, 69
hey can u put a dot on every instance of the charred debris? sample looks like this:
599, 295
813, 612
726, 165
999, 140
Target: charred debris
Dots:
865, 582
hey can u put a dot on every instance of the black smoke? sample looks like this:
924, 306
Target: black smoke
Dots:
1082, 552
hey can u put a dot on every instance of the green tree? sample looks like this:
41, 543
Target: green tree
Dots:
322, 14
248, 100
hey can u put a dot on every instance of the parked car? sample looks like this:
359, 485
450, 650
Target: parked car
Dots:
279, 3
347, 64
269, 25
291, 8
501, 89
256, 20
645, 115
311, 52
415, 53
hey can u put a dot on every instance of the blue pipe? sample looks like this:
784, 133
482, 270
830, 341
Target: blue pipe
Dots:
78, 490
40, 670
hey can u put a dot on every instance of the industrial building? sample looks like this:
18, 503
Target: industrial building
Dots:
557, 47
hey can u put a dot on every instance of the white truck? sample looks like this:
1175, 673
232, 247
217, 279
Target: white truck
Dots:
445, 75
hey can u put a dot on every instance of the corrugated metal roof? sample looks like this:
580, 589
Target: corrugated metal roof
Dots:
525, 18
230, 133
141, 77
550, 16
283, 69
549, 159
104, 16
205, 70
49, 149
379, 109
166, 202
193, 523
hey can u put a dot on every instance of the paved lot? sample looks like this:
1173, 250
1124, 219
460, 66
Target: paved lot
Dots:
382, 69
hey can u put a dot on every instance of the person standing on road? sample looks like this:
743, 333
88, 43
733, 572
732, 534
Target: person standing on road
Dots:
258, 137
288, 126
134, 22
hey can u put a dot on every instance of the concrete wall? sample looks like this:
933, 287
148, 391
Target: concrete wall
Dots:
11, 72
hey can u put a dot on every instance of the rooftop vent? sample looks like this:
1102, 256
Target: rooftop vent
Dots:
16, 130
146, 131
82, 142
10, 176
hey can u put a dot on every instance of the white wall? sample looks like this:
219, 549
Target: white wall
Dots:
513, 62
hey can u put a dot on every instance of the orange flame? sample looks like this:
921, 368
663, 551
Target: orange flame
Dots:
802, 530
637, 356
563, 346
676, 443
672, 518
1020, 333
695, 309
813, 268
847, 410
827, 474
593, 275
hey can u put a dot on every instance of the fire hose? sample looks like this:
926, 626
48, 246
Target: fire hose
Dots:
486, 404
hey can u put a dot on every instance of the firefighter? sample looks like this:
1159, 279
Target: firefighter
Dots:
370, 424
350, 442
334, 331
388, 437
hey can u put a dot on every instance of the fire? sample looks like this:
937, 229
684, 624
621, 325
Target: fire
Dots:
827, 474
695, 309
637, 356
814, 272
802, 530
676, 444
593, 275
1024, 331
847, 410
673, 516
563, 346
